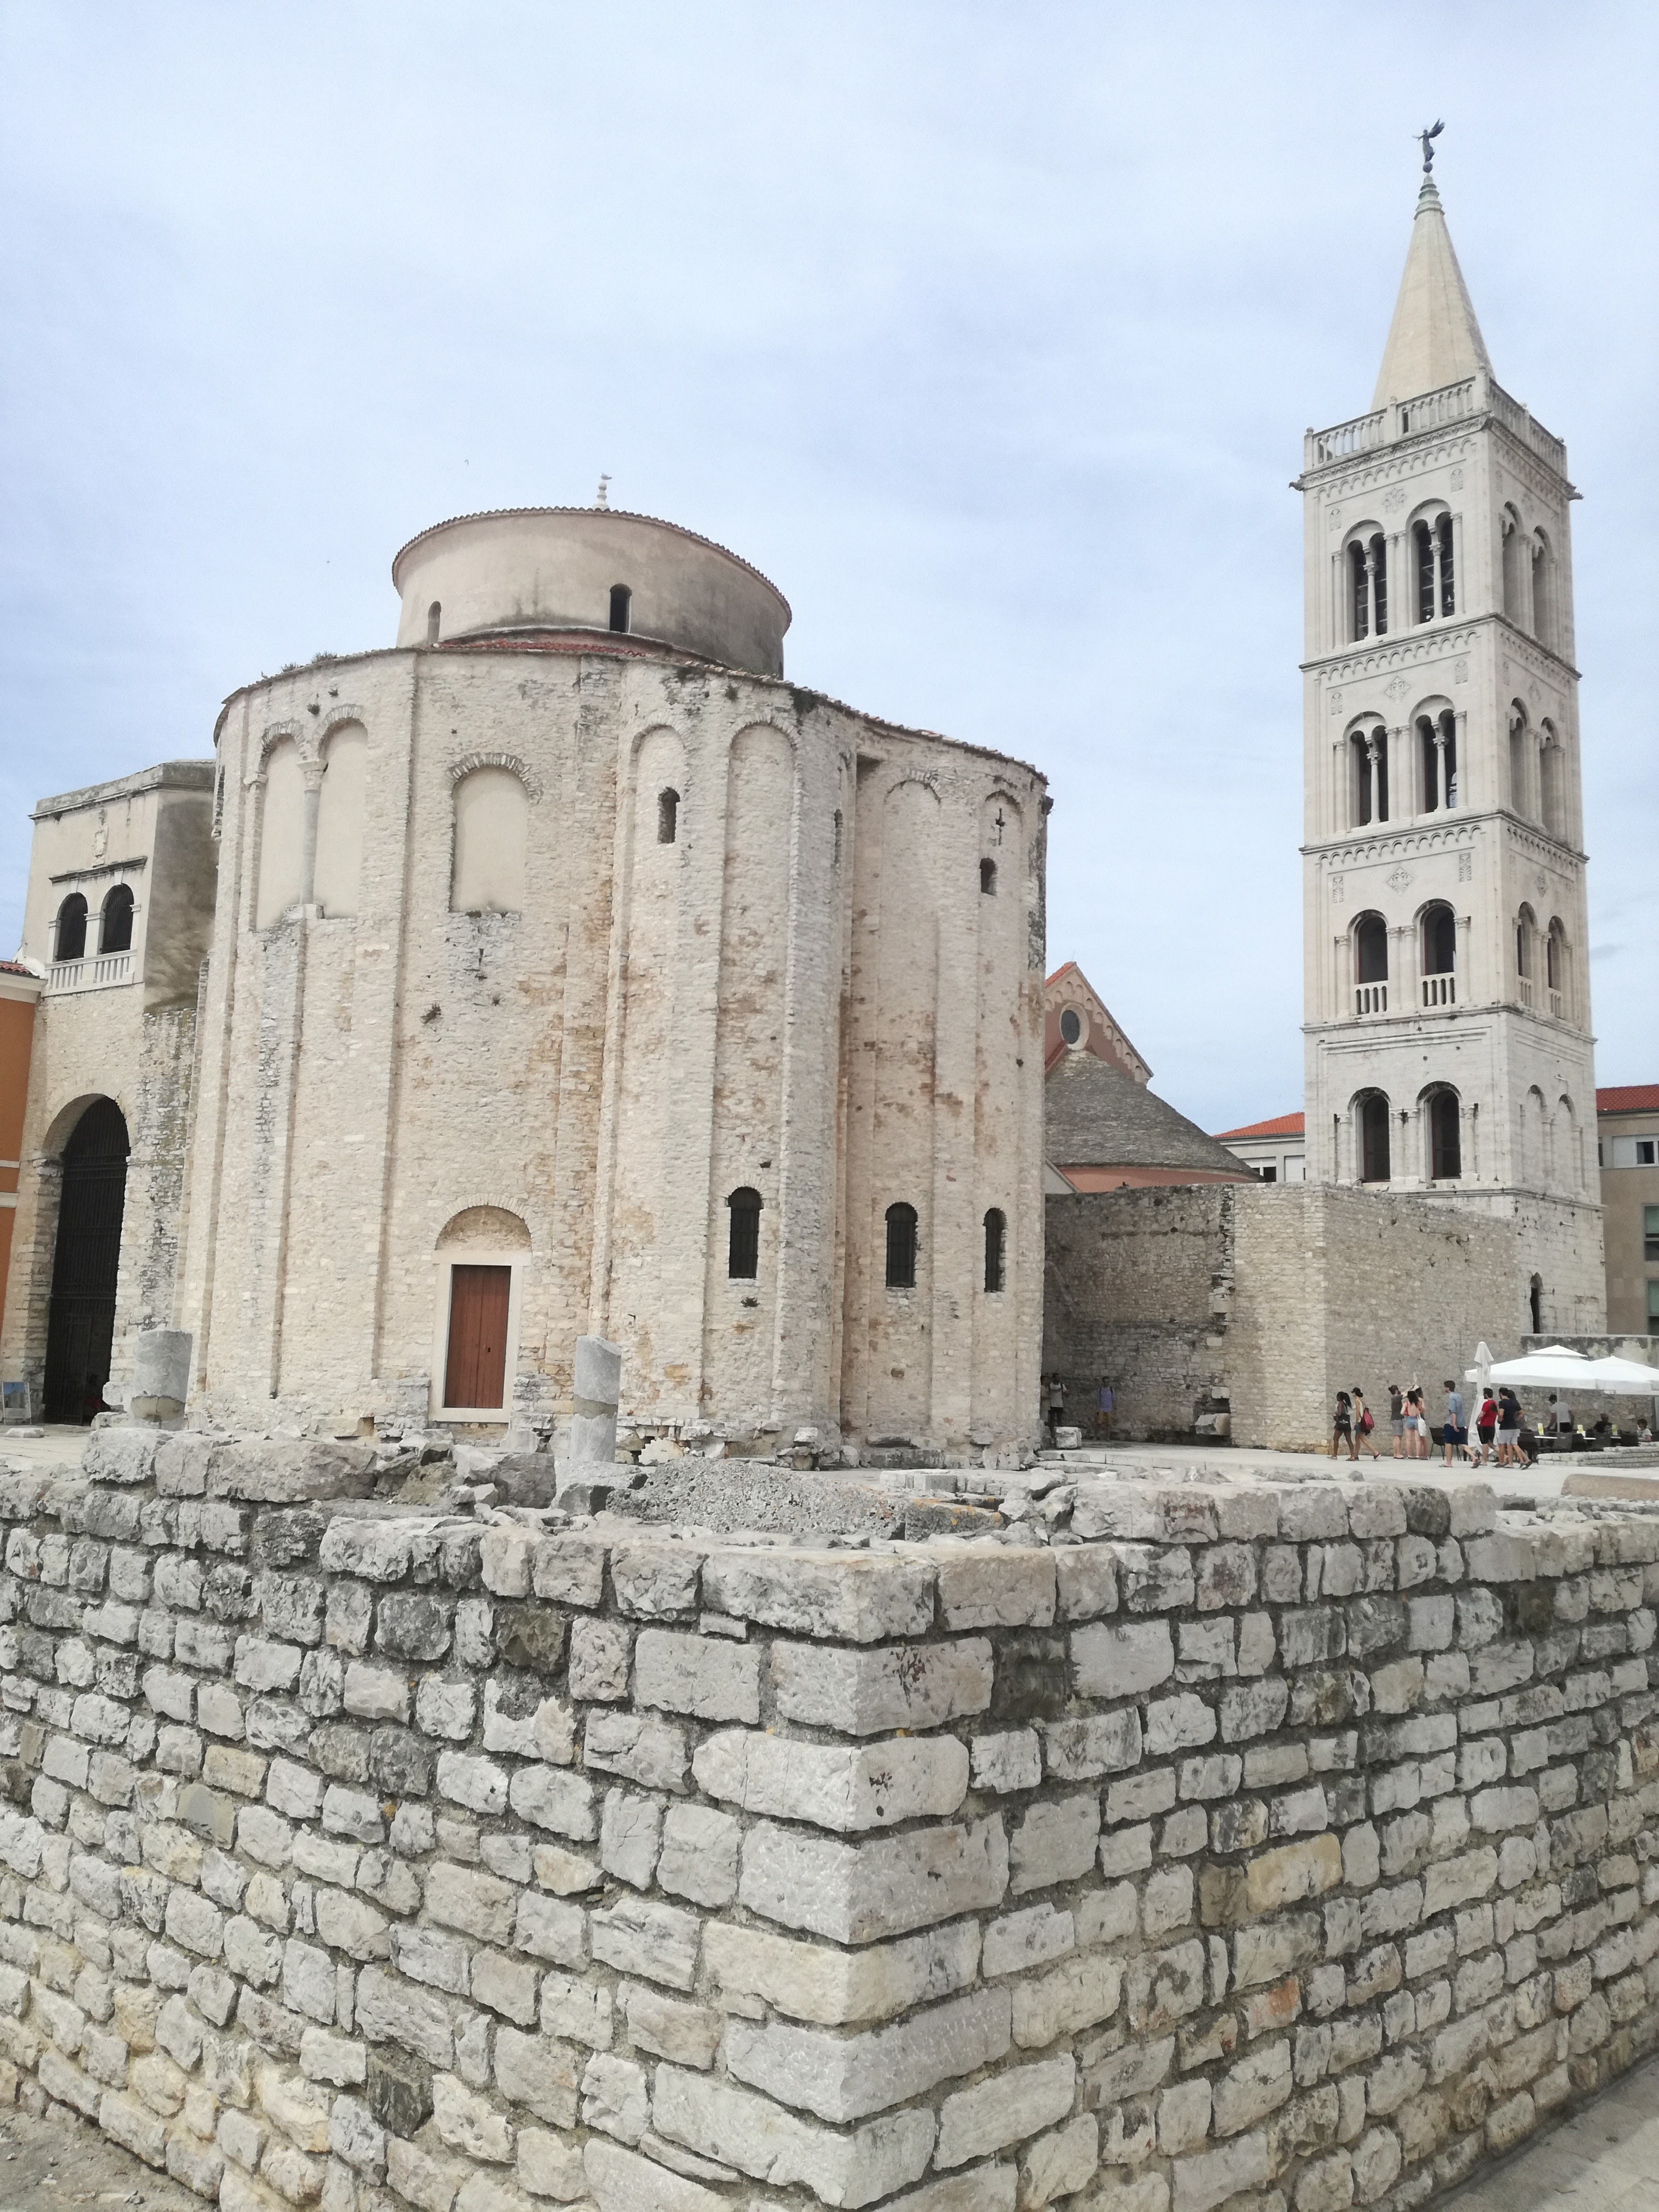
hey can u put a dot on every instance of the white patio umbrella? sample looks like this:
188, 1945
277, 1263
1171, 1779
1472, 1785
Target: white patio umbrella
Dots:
1627, 1378
1555, 1368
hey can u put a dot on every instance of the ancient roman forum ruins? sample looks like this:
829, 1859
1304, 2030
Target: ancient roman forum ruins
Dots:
566, 970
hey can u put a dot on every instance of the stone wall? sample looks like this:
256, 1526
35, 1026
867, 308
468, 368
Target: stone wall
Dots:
1275, 1847
1267, 1301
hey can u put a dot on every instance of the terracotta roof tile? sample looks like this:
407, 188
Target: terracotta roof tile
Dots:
1629, 1099
1286, 1125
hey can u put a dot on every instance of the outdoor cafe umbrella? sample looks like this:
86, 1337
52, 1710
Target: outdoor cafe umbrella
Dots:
1558, 1367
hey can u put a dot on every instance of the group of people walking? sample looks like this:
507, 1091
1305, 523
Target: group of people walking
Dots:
1500, 1428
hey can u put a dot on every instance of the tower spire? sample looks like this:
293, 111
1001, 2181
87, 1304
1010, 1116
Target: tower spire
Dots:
1434, 338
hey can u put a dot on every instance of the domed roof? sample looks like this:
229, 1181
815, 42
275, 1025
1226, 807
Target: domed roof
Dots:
540, 568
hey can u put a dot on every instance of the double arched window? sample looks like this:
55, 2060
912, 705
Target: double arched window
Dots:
1526, 962
1367, 584
1371, 954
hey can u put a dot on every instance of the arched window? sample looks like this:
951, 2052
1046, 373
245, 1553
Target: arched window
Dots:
1520, 783
1445, 1137
668, 817
742, 1237
1370, 950
492, 838
115, 923
1373, 1117
1543, 625
1525, 929
988, 877
1550, 780
1555, 969
1439, 929
1368, 585
339, 864
900, 1247
281, 835
1369, 749
1515, 568
1434, 593
996, 1254
71, 943
1071, 1025
622, 600
435, 615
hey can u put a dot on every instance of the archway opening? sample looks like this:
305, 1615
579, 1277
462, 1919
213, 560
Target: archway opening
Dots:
81, 1314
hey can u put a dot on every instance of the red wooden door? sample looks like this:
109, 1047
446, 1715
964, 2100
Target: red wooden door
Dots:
476, 1372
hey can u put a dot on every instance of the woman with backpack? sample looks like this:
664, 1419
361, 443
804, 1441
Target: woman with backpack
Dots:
1362, 1423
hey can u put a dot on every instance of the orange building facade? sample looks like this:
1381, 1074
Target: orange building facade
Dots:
20, 992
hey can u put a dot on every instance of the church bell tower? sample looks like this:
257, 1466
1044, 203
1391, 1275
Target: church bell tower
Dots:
1446, 990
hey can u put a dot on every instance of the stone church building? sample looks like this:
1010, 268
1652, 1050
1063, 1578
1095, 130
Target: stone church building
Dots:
559, 968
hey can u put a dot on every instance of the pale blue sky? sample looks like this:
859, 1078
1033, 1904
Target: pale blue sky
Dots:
989, 333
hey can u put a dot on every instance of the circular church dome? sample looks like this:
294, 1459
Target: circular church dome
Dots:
589, 568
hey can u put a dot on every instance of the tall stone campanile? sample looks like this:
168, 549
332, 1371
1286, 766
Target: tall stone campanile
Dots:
1448, 1049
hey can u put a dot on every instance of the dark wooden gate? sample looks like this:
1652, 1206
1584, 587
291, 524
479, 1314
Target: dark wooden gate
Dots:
476, 1372
80, 1316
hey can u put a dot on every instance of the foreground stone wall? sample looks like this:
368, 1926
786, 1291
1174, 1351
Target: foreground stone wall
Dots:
1263, 1849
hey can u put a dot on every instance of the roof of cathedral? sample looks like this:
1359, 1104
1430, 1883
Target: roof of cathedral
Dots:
1096, 1115
1628, 1098
1282, 1124
1434, 339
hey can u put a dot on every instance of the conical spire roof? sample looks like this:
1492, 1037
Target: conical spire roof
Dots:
1434, 338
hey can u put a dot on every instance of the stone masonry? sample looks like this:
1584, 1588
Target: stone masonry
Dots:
1254, 1847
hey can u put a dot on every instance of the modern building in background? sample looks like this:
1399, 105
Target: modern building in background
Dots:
1627, 1133
1449, 1048
1277, 1150
20, 994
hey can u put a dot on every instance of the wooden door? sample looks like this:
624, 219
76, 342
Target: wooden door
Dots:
476, 1372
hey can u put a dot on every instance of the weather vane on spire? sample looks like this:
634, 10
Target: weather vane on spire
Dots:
1428, 138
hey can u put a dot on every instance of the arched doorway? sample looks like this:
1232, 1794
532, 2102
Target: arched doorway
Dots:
81, 1319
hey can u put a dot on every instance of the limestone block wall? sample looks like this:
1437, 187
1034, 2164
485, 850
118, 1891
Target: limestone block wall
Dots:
1269, 1300
1269, 1847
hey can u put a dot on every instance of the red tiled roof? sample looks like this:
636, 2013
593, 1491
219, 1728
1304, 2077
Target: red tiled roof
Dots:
1286, 1125
1629, 1099
1060, 971
16, 968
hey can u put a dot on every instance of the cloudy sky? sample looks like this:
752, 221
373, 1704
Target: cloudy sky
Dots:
990, 333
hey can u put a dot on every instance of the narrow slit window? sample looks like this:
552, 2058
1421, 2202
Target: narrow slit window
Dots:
996, 1243
668, 817
743, 1238
900, 1247
435, 615
988, 877
621, 601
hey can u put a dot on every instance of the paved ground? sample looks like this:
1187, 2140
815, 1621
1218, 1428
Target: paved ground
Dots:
47, 2164
1607, 2160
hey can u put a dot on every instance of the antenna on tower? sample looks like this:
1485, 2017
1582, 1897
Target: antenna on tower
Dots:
1425, 139
602, 496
